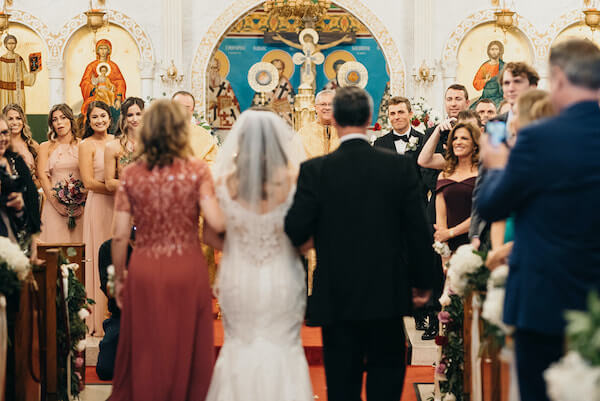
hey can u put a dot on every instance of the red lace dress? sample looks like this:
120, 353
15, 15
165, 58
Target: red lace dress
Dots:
166, 349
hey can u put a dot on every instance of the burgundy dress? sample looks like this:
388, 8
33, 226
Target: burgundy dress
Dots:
458, 196
166, 349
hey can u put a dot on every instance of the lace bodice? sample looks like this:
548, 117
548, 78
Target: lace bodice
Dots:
260, 237
164, 203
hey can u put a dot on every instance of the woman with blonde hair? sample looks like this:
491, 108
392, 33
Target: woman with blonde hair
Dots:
58, 161
166, 320
22, 141
119, 152
455, 186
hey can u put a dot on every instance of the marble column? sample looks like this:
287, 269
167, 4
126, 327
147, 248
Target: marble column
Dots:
56, 75
147, 78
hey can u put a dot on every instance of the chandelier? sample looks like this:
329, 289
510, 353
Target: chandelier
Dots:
310, 11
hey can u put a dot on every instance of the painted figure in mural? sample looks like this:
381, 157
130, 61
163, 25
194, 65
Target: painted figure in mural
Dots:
486, 74
14, 75
102, 80
281, 98
309, 39
223, 106
334, 84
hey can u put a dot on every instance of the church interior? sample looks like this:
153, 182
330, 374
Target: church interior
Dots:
233, 55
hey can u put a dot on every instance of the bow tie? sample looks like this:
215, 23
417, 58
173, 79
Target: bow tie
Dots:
401, 137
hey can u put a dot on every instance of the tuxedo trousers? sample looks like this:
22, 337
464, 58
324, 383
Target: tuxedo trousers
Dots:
534, 353
351, 348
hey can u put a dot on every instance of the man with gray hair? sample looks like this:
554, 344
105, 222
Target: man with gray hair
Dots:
320, 137
550, 182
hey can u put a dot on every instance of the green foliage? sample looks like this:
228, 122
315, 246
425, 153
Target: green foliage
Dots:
76, 300
9, 281
453, 352
583, 330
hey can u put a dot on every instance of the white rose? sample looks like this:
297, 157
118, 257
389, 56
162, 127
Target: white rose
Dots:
572, 368
83, 313
414, 140
81, 346
449, 397
445, 299
498, 276
110, 270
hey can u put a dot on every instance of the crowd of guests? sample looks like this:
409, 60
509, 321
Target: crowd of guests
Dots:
525, 197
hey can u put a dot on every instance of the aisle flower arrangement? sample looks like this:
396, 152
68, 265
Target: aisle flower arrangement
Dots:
14, 267
577, 375
423, 114
71, 331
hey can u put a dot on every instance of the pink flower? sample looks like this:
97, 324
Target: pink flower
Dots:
444, 317
78, 362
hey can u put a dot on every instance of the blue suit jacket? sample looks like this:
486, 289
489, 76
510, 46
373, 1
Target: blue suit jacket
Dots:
552, 185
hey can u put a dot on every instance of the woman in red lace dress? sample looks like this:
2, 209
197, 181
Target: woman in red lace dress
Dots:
166, 349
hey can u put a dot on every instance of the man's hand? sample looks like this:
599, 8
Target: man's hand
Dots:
420, 297
447, 125
476, 243
493, 157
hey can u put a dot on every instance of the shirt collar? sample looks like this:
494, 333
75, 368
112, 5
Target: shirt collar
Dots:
353, 136
407, 132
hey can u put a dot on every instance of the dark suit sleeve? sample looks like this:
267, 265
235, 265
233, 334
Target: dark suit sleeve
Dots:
419, 250
30, 197
301, 219
477, 222
503, 191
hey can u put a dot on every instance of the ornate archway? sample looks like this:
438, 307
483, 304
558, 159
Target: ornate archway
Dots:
238, 9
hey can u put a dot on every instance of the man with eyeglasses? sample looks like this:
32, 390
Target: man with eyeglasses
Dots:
320, 137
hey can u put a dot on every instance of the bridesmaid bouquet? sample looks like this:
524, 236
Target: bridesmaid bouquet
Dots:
71, 193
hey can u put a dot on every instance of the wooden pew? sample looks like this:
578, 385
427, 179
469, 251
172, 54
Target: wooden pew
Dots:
47, 277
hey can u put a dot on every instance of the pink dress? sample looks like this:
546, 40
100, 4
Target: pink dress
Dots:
166, 349
62, 162
97, 226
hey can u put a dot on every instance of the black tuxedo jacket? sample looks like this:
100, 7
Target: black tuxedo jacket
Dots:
363, 207
388, 140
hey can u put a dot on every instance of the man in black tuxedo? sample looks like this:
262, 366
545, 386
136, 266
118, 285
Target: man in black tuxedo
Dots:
405, 140
363, 208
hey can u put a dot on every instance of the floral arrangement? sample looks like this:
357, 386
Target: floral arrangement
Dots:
581, 365
442, 249
14, 267
493, 306
449, 369
467, 270
74, 345
423, 115
71, 193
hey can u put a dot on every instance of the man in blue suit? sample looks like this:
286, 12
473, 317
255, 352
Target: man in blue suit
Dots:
551, 184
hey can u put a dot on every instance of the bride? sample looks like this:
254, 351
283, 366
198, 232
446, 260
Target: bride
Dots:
261, 281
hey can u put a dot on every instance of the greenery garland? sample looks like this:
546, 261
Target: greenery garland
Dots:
452, 362
75, 342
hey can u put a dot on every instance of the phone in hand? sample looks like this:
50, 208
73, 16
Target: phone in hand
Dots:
497, 131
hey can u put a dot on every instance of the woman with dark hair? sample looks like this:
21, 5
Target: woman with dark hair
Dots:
119, 152
455, 186
165, 298
98, 212
58, 161
19, 204
21, 140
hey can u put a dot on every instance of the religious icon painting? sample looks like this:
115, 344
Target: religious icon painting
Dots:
353, 73
35, 62
223, 105
332, 65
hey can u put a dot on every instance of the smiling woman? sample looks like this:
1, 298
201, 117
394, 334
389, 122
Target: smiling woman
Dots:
98, 211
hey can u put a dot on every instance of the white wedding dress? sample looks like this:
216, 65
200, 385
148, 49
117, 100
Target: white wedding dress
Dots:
262, 294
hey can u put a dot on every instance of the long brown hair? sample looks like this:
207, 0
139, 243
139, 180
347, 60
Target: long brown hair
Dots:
26, 131
164, 135
67, 112
123, 127
451, 158
88, 131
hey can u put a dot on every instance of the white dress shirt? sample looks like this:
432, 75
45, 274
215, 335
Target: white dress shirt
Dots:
399, 143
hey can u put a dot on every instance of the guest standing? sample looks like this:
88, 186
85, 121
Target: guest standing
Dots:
98, 212
166, 349
58, 160
119, 152
555, 258
21, 140
455, 186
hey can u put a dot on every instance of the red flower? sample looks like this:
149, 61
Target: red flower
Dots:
377, 127
416, 122
441, 340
